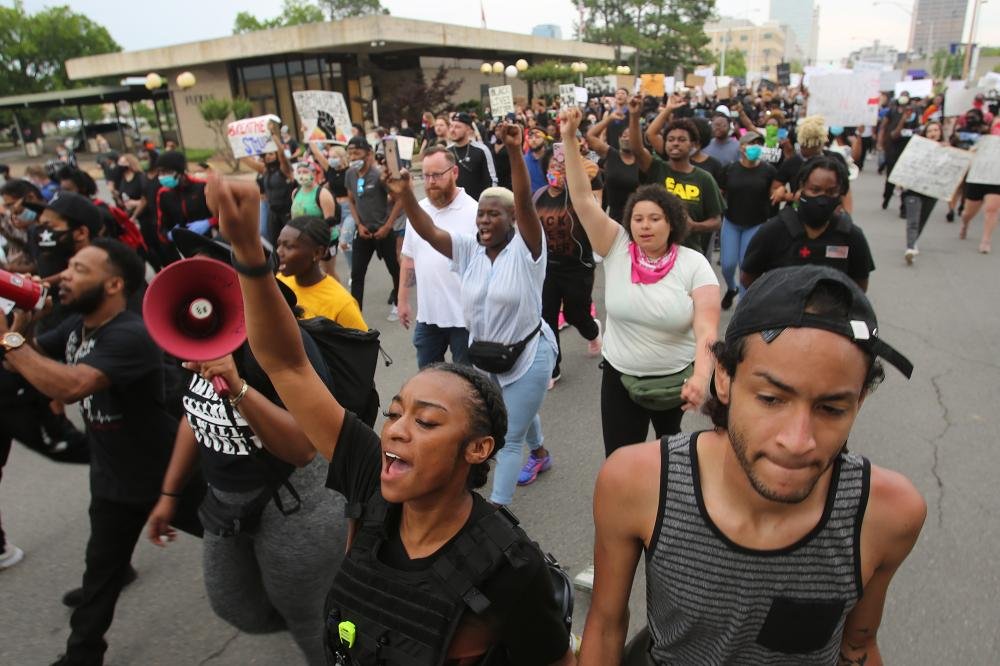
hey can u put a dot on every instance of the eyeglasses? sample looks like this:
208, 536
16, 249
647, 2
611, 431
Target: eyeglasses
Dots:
435, 176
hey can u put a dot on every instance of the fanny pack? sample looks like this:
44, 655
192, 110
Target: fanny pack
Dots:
659, 393
497, 357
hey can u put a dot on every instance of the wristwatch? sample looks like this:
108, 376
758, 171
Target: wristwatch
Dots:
11, 340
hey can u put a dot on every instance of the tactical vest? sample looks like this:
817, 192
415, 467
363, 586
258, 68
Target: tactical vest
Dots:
409, 618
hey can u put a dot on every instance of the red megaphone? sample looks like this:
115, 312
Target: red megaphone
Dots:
193, 309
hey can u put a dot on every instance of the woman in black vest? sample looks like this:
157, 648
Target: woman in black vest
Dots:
402, 596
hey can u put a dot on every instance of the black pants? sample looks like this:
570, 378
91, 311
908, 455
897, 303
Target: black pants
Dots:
571, 288
114, 530
623, 421
363, 249
5, 443
277, 218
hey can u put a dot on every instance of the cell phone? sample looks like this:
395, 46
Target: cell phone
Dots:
391, 157
559, 152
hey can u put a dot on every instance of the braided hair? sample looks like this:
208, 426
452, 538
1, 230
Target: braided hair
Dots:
487, 414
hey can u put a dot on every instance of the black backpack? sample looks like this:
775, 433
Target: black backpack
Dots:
351, 356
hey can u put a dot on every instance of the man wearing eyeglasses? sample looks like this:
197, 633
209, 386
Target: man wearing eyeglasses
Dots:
370, 206
440, 324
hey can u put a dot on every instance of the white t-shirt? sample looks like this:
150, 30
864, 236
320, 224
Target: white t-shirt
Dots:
439, 289
649, 328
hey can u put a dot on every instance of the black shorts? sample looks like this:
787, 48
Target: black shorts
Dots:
978, 191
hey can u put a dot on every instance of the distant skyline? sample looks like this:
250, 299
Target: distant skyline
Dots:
845, 25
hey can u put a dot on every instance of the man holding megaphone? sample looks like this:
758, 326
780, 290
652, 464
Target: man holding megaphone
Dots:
115, 370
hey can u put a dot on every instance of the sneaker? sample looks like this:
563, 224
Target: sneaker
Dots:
594, 346
393, 314
74, 597
532, 469
553, 380
909, 256
950, 215
727, 300
585, 579
10, 556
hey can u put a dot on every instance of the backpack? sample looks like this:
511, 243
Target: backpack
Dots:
125, 229
352, 357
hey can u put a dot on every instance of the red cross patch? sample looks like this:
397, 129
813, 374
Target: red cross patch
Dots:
804, 252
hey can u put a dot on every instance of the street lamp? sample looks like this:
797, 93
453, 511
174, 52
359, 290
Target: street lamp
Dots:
486, 68
510, 72
153, 81
498, 67
521, 65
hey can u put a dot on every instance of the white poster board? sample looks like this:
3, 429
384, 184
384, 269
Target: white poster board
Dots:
601, 85
922, 88
501, 101
708, 73
887, 79
847, 100
580, 94
669, 85
958, 99
404, 144
986, 161
930, 168
252, 136
324, 115
567, 95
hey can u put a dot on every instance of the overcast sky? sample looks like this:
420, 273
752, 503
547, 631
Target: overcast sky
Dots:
845, 25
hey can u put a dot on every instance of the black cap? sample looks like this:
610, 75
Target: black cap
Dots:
463, 117
777, 300
76, 209
359, 142
172, 160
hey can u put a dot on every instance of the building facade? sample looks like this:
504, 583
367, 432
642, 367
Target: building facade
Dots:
763, 46
936, 25
802, 18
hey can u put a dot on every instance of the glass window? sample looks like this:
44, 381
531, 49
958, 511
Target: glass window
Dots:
744, 38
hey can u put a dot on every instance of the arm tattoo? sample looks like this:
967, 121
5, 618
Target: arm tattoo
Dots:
410, 279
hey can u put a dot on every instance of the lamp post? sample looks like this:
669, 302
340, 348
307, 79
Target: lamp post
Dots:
972, 39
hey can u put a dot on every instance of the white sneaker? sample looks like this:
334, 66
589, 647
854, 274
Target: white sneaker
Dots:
909, 256
594, 346
10, 556
585, 579
393, 314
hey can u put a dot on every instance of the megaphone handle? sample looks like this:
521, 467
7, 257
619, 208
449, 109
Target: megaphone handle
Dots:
221, 386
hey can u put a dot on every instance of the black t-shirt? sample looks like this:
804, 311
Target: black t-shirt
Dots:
615, 130
501, 163
278, 189
131, 433
182, 204
335, 181
711, 165
621, 180
522, 612
568, 245
895, 145
788, 172
748, 193
782, 241
473, 169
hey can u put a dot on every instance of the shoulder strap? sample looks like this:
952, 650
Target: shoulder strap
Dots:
790, 218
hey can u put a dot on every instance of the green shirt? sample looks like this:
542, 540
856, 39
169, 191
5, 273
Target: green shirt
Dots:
697, 190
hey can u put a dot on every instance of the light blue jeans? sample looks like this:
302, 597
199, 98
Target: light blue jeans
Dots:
347, 229
734, 242
523, 399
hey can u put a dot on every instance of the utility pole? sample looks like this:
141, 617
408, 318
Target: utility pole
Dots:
972, 39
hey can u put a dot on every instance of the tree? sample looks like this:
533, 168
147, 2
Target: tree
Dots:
415, 96
215, 113
341, 9
293, 12
667, 33
795, 67
736, 63
946, 65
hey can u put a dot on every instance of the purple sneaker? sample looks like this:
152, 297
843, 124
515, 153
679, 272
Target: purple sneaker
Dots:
532, 469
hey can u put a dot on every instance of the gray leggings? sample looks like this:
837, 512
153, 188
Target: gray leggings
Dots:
918, 210
278, 577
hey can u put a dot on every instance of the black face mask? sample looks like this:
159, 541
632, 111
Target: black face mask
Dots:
88, 301
61, 246
816, 211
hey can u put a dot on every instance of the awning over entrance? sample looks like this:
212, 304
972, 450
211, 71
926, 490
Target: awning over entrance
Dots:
80, 96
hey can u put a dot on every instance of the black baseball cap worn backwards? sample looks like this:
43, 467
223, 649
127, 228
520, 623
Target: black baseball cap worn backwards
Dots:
777, 300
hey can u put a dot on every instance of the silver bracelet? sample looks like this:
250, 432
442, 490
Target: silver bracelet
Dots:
233, 402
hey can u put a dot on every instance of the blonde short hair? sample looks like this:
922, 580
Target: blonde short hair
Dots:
812, 131
502, 193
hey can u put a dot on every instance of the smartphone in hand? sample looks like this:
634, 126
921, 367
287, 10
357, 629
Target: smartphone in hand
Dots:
391, 157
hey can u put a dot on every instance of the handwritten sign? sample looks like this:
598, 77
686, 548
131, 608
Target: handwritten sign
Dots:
921, 88
694, 81
847, 100
986, 161
324, 115
252, 136
501, 101
600, 85
580, 93
567, 95
930, 168
652, 85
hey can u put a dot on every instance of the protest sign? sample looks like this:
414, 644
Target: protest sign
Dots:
404, 145
847, 100
958, 99
567, 95
693, 81
501, 101
930, 168
580, 95
784, 73
708, 74
600, 85
324, 115
652, 85
252, 136
922, 88
986, 161
669, 85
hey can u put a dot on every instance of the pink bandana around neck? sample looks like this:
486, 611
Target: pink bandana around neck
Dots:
649, 271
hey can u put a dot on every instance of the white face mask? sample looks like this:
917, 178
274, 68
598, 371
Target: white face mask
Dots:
356, 164
334, 162
304, 179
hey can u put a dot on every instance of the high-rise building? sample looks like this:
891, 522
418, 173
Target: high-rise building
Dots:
802, 17
936, 24
763, 46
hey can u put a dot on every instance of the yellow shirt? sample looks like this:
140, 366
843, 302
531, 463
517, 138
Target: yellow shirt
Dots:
327, 298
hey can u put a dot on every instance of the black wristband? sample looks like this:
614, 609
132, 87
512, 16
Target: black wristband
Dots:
163, 492
267, 268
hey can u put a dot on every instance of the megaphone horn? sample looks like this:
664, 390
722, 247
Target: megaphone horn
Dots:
193, 309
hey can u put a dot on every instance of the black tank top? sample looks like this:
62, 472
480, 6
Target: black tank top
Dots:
620, 181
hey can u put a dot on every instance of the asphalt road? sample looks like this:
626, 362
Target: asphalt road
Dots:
940, 429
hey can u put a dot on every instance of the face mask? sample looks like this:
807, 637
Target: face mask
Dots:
555, 180
904, 100
754, 153
335, 162
356, 164
782, 134
836, 131
304, 179
28, 215
816, 211
169, 182
625, 145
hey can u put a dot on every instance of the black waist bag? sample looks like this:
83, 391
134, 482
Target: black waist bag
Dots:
229, 520
497, 357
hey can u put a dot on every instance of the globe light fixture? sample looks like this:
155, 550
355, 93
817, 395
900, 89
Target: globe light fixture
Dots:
498, 67
185, 80
511, 72
486, 68
153, 81
521, 65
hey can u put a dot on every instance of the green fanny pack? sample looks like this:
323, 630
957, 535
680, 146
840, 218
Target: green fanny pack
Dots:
660, 393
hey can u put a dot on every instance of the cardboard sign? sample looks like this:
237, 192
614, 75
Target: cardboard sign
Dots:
986, 161
725, 92
501, 101
958, 99
324, 115
653, 85
847, 100
567, 95
922, 88
930, 168
693, 81
708, 74
404, 145
252, 136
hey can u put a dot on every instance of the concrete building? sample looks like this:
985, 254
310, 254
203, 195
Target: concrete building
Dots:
547, 30
936, 25
763, 46
364, 58
802, 17
876, 54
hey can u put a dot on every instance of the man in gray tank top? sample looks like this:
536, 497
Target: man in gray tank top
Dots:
765, 541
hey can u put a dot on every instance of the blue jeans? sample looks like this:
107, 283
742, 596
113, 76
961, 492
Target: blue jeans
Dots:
347, 230
263, 219
432, 341
735, 240
523, 399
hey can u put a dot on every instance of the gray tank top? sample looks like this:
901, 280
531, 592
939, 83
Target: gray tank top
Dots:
711, 601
